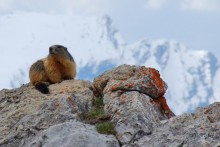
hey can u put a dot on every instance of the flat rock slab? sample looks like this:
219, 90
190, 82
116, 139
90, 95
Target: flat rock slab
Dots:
71, 134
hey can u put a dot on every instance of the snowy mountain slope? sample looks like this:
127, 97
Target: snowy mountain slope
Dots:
27, 37
192, 76
189, 74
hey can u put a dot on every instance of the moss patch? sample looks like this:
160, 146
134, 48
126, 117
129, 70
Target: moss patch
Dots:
98, 102
106, 128
101, 119
97, 113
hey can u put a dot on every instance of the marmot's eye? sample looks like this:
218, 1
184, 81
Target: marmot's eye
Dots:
59, 46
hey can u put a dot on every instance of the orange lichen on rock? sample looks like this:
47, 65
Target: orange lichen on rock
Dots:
161, 102
130, 85
157, 80
114, 88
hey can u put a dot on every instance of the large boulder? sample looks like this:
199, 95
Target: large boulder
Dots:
135, 98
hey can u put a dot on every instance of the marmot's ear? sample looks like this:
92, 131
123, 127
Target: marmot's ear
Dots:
65, 48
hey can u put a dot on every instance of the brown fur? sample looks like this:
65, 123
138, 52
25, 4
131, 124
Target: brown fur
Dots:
58, 66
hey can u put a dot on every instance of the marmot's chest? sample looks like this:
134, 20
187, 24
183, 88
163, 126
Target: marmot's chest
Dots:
60, 68
64, 68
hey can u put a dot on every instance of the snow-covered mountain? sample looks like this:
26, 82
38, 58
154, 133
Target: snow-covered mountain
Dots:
189, 73
192, 76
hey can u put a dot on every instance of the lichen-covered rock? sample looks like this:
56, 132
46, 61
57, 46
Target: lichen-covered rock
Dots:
134, 97
201, 128
25, 112
131, 78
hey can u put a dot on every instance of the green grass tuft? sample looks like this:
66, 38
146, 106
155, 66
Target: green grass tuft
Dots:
106, 128
98, 116
97, 111
98, 103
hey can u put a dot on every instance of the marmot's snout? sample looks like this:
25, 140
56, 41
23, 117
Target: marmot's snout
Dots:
52, 50
55, 49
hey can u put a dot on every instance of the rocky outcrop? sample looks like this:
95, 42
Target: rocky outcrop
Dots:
29, 118
133, 98
132, 95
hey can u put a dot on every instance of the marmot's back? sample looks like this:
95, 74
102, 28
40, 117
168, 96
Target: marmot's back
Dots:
59, 65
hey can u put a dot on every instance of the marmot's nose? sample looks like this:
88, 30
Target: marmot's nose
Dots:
51, 49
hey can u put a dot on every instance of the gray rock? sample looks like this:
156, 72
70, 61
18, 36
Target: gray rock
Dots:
25, 112
132, 112
201, 128
72, 134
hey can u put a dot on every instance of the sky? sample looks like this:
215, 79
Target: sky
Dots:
194, 23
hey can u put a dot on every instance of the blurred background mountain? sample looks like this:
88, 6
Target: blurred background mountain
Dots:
130, 34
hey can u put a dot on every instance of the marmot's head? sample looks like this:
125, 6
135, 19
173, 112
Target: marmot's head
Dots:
59, 52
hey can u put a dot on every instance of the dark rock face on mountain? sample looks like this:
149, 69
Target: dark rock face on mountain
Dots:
133, 97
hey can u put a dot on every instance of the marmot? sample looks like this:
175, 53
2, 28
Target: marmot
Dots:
57, 66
